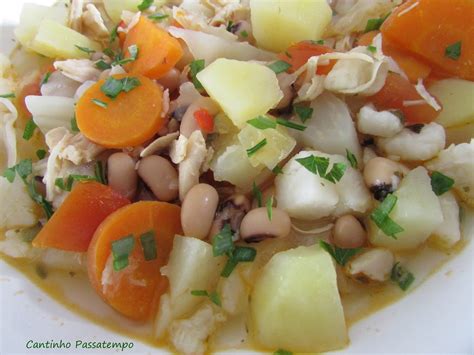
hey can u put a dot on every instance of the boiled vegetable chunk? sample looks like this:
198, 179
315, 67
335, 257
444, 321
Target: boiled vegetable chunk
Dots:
449, 232
279, 145
243, 90
114, 8
433, 30
17, 208
31, 17
188, 255
280, 23
55, 40
295, 303
457, 98
417, 211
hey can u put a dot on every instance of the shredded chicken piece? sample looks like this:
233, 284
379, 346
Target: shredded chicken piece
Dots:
75, 15
375, 264
178, 149
8, 116
80, 70
159, 144
381, 124
93, 23
190, 167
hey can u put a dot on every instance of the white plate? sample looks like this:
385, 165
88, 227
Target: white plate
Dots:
437, 317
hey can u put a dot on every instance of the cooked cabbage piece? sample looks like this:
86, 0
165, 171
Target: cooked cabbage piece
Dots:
50, 112
417, 211
295, 303
114, 8
243, 90
55, 40
281, 23
17, 208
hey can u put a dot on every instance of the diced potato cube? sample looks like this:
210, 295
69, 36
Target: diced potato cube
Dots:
188, 255
417, 211
295, 303
279, 145
244, 90
456, 97
17, 208
31, 17
277, 24
58, 41
114, 8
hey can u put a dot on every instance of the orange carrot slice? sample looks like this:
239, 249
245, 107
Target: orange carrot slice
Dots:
128, 120
72, 226
394, 95
158, 52
298, 54
428, 28
134, 290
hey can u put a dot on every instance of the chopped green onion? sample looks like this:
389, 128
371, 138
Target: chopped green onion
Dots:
279, 66
319, 166
336, 173
24, 168
112, 87
270, 208
222, 242
157, 17
303, 112
440, 183
99, 173
121, 250
244, 34
45, 78
402, 276
277, 170
229, 26
381, 218
102, 65
113, 36
194, 68
282, 352
251, 151
30, 128
340, 255
9, 174
289, 124
319, 41
130, 83
240, 254
39, 199
74, 127
257, 194
453, 51
10, 95
199, 293
352, 159
85, 49
99, 103
41, 153
372, 49
229, 267
145, 4
262, 122
109, 52
148, 242
213, 296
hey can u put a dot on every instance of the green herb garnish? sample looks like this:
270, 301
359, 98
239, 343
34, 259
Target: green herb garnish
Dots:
251, 151
441, 183
289, 124
99, 173
270, 208
319, 166
319, 41
381, 218
213, 296
340, 255
30, 128
257, 194
148, 242
121, 250
282, 352
113, 87
262, 122
222, 242
157, 17
45, 78
85, 49
453, 51
352, 159
41, 153
277, 170
74, 127
244, 34
372, 49
145, 4
100, 103
194, 68
102, 65
402, 276
279, 66
303, 112
10, 95
239, 254
374, 24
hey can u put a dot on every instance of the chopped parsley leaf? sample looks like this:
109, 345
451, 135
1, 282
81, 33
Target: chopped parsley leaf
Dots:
213, 296
262, 122
277, 170
121, 250
148, 242
402, 276
157, 17
289, 124
102, 65
30, 128
282, 352
374, 24
244, 34
113, 87
381, 218
85, 49
440, 183
372, 49
257, 194
453, 51
239, 254
340, 255
74, 127
145, 4
45, 78
352, 159
222, 242
251, 151
194, 68
319, 166
270, 208
229, 26
279, 66
9, 174
10, 95
303, 112
41, 153
100, 103
319, 41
